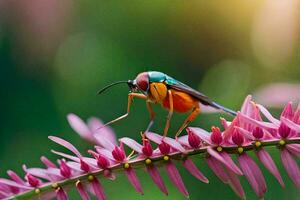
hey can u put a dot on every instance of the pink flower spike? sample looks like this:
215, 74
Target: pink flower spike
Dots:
253, 174
202, 134
291, 166
157, 179
82, 192
94, 124
268, 162
176, 178
48, 163
132, 144
294, 149
60, 194
98, 189
34, 182
218, 169
131, 175
191, 167
66, 144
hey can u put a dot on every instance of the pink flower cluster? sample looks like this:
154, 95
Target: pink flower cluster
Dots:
246, 132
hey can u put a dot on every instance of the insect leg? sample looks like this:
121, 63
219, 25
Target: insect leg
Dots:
188, 120
152, 115
130, 98
170, 113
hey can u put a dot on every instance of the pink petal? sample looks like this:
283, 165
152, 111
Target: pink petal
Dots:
245, 133
268, 162
94, 124
191, 167
132, 144
154, 173
176, 178
183, 140
224, 123
227, 162
246, 105
55, 172
203, 134
80, 127
98, 189
106, 153
14, 176
235, 184
47, 162
294, 149
90, 161
288, 111
253, 174
218, 169
263, 125
268, 115
291, 167
14, 184
66, 144
74, 158
290, 124
38, 172
82, 192
170, 141
154, 137
174, 144
104, 142
61, 195
131, 175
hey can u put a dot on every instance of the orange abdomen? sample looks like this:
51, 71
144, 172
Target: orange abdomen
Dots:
182, 102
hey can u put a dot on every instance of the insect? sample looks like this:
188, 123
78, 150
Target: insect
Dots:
157, 87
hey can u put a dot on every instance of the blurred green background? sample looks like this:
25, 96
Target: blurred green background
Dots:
56, 54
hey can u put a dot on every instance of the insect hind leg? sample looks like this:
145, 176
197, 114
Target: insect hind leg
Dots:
189, 119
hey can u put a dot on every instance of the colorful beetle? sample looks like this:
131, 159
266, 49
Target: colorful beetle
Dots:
157, 87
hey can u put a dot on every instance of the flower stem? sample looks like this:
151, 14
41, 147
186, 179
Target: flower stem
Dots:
84, 178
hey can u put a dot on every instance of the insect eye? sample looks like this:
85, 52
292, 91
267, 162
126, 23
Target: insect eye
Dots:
143, 84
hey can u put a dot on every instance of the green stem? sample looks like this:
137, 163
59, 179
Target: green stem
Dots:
35, 193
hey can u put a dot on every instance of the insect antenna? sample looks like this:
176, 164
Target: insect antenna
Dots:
110, 85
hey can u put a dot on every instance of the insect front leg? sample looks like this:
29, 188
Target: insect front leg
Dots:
171, 109
130, 98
